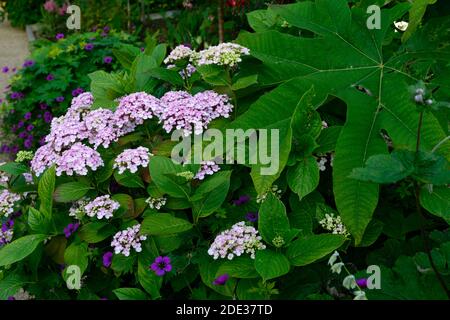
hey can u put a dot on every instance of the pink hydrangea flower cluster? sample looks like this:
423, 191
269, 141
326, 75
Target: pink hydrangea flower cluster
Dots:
206, 168
185, 73
126, 239
102, 207
134, 109
132, 159
182, 111
77, 160
236, 241
7, 201
67, 144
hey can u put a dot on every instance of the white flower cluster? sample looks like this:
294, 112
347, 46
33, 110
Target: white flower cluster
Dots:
224, 54
236, 241
349, 281
126, 239
334, 224
260, 198
156, 203
4, 177
179, 53
23, 295
321, 161
7, 201
77, 209
102, 207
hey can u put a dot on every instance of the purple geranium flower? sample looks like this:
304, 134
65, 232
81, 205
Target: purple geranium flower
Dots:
107, 259
48, 117
59, 99
5, 148
42, 141
5, 69
161, 265
89, 47
50, 77
15, 149
28, 143
16, 95
30, 127
20, 124
106, 29
28, 63
242, 200
8, 225
107, 59
43, 106
252, 216
59, 36
77, 92
23, 135
27, 116
70, 229
221, 280
362, 283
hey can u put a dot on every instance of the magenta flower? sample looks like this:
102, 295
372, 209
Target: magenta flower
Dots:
5, 69
70, 229
28, 143
17, 95
161, 265
89, 47
27, 116
30, 127
50, 77
20, 124
59, 99
221, 280
77, 92
241, 200
107, 59
59, 36
28, 63
48, 117
252, 216
23, 135
107, 259
362, 283
50, 6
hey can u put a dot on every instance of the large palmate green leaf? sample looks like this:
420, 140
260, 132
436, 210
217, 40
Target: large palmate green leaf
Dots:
346, 59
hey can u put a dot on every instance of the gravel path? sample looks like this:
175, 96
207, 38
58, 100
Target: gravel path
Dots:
13, 51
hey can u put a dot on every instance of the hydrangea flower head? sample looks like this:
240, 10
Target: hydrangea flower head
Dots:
126, 239
206, 168
132, 159
102, 207
7, 202
156, 203
240, 239
224, 54
77, 160
179, 53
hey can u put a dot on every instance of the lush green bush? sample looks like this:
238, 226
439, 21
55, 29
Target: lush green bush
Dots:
363, 169
23, 12
53, 74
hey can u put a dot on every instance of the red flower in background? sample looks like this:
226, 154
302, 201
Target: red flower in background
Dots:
236, 3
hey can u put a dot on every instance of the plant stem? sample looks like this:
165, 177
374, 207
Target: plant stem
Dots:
440, 144
426, 243
220, 10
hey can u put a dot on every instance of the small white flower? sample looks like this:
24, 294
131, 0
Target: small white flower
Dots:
333, 258
359, 295
401, 25
337, 267
349, 282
